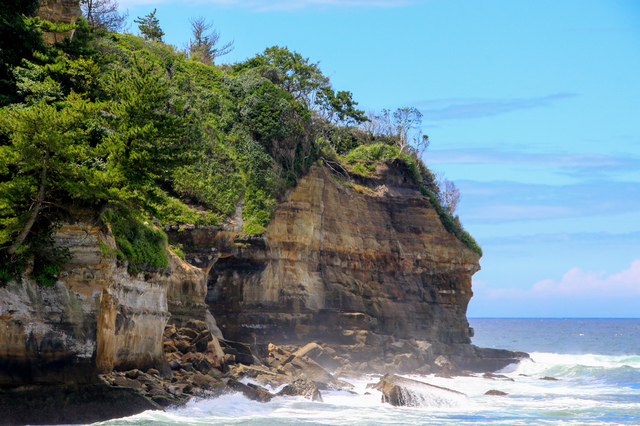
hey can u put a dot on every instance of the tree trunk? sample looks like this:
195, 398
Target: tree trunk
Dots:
36, 208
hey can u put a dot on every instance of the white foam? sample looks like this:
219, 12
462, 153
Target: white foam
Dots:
530, 399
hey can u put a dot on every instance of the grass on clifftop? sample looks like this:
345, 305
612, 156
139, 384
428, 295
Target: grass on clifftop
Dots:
362, 160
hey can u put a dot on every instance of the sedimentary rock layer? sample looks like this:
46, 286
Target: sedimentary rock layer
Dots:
95, 318
342, 253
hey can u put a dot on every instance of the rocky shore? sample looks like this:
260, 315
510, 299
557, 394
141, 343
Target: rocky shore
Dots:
340, 285
203, 366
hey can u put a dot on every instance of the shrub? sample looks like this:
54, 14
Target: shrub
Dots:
374, 152
139, 244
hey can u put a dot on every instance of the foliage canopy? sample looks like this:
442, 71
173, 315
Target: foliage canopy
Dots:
138, 134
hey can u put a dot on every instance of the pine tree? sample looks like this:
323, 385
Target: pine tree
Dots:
204, 45
48, 158
150, 27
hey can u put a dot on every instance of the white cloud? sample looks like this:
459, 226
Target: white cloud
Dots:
453, 109
493, 156
577, 284
504, 212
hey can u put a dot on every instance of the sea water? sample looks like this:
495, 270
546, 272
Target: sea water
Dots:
596, 363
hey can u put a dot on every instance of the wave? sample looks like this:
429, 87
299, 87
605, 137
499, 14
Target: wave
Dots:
585, 393
614, 370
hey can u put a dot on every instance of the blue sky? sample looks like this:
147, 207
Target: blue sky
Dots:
532, 108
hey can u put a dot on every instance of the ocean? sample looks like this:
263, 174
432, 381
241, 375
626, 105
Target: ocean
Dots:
596, 363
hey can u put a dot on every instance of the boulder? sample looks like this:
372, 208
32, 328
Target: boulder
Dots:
302, 387
188, 332
313, 371
126, 383
400, 391
197, 325
496, 393
133, 374
241, 352
204, 381
252, 392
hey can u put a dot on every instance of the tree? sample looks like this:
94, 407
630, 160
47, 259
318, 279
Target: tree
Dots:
47, 158
145, 143
19, 38
404, 121
150, 27
104, 15
402, 127
203, 47
295, 74
449, 195
339, 105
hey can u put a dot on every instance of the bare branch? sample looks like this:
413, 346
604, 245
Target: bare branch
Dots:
104, 15
204, 45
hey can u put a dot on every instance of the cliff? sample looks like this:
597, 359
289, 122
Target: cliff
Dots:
335, 259
96, 318
362, 266
350, 261
61, 12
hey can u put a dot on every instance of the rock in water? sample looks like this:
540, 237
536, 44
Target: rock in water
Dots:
251, 391
399, 391
302, 387
494, 392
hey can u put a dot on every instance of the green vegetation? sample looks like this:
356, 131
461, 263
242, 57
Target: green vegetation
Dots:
138, 243
142, 135
149, 27
452, 223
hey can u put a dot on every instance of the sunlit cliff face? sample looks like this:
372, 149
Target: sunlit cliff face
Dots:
337, 259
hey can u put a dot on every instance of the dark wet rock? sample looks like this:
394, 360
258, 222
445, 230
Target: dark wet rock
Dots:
184, 346
70, 404
549, 378
187, 367
302, 387
197, 325
188, 333
202, 343
158, 391
126, 383
133, 374
164, 401
241, 352
493, 376
204, 381
400, 391
494, 392
252, 392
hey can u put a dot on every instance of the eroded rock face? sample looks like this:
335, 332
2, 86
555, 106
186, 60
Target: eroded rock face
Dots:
334, 260
48, 334
96, 318
59, 11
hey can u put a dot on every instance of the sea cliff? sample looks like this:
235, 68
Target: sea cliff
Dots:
170, 227
359, 267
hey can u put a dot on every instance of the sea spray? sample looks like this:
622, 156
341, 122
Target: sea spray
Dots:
597, 388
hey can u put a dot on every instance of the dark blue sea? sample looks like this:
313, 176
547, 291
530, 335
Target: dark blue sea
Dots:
595, 364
